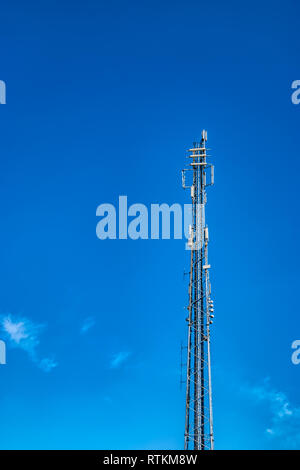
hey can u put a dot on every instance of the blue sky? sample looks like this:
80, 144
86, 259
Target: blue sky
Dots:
103, 99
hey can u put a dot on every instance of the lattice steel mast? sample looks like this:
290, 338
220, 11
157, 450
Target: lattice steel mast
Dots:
199, 415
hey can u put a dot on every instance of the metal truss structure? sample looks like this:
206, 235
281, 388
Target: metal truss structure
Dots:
199, 413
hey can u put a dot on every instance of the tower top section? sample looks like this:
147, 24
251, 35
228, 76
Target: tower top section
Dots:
198, 151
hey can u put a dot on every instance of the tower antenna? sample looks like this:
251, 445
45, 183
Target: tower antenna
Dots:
199, 413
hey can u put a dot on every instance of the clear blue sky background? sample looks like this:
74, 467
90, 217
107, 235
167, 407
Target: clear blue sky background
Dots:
103, 99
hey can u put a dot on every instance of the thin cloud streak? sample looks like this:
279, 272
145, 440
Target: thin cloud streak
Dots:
119, 359
284, 416
88, 323
22, 333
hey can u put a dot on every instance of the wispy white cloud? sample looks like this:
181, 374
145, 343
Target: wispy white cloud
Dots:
119, 358
22, 333
16, 331
88, 323
284, 416
47, 364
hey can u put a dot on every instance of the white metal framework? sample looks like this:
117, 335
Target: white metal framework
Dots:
199, 415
